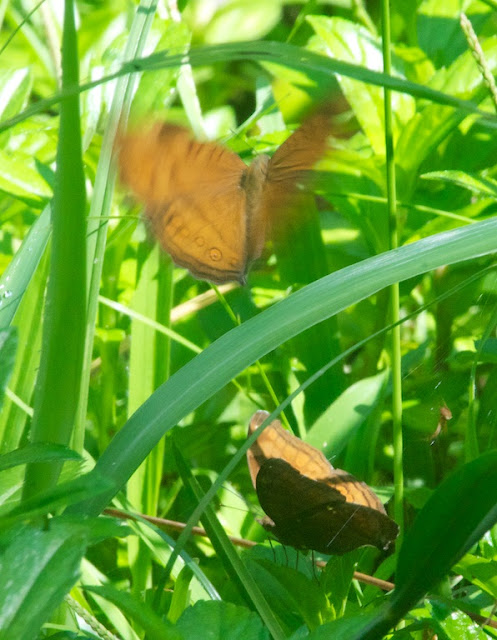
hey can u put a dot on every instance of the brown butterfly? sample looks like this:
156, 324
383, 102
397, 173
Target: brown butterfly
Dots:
309, 504
209, 210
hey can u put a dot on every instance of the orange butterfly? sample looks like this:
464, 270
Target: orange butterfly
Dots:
209, 210
309, 504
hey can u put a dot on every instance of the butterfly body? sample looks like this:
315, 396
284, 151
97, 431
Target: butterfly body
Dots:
209, 210
309, 504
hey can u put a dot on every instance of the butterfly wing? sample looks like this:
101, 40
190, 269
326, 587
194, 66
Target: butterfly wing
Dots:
291, 166
308, 514
214, 252
344, 527
353, 490
193, 196
339, 527
164, 162
254, 184
276, 442
297, 156
284, 495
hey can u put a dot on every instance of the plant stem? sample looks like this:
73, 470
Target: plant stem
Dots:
394, 288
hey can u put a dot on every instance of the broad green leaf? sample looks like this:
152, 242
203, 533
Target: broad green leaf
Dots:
139, 612
343, 629
355, 44
20, 178
15, 86
295, 598
241, 20
433, 122
452, 624
37, 569
155, 90
438, 29
56, 397
220, 620
456, 515
480, 571
487, 352
343, 418
336, 579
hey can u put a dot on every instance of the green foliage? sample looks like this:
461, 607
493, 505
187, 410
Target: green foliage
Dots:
97, 329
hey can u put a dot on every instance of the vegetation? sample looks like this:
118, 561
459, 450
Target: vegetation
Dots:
127, 383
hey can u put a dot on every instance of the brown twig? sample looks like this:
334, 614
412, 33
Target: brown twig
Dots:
239, 542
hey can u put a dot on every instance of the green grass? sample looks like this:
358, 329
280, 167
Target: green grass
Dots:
379, 315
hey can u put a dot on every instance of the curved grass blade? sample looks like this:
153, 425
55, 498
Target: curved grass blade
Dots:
213, 368
274, 52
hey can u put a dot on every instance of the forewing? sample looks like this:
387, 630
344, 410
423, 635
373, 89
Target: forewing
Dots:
300, 152
163, 162
284, 204
276, 442
193, 196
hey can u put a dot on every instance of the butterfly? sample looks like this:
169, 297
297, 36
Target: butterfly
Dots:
309, 504
209, 210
